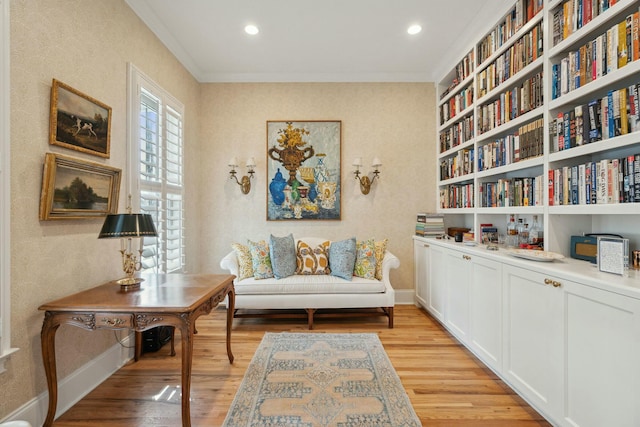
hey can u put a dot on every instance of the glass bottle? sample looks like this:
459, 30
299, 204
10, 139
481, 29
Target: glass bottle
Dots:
523, 233
512, 232
536, 232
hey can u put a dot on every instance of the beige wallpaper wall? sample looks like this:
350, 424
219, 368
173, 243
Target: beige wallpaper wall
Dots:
392, 121
85, 44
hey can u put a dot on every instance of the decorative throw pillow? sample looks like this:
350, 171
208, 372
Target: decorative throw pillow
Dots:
313, 260
282, 251
342, 258
260, 259
245, 265
381, 248
365, 266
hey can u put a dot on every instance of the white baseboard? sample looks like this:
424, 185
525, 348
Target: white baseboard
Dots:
77, 385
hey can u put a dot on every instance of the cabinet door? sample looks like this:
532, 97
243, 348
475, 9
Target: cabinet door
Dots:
602, 358
421, 273
437, 291
458, 268
533, 332
485, 311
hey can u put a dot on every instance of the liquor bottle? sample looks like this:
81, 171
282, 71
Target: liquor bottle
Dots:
536, 233
523, 232
512, 233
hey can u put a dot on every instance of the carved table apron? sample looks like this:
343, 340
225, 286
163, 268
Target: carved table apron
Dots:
163, 300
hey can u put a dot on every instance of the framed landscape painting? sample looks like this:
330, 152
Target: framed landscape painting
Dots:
79, 122
75, 189
303, 170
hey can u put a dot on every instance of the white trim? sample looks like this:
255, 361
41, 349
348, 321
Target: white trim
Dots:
5, 191
77, 385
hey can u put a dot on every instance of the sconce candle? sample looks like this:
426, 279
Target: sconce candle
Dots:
365, 181
245, 181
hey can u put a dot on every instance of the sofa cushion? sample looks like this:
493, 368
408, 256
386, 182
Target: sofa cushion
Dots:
365, 265
312, 260
245, 263
282, 251
342, 258
381, 248
260, 259
309, 284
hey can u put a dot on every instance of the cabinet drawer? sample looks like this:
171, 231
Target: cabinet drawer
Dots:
114, 320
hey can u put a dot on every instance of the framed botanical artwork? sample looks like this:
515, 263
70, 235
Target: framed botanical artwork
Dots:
79, 122
77, 189
303, 170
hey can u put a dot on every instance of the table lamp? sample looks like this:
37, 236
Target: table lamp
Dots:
127, 226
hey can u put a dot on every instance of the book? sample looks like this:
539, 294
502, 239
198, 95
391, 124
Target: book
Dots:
594, 122
579, 127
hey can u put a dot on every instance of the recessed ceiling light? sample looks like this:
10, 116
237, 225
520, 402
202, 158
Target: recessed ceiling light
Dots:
414, 29
251, 29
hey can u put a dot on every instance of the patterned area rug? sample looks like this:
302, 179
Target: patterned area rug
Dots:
317, 379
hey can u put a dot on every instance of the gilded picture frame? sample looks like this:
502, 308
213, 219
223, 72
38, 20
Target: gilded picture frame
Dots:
78, 121
77, 189
304, 170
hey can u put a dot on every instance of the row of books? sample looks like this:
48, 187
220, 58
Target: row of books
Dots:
509, 192
605, 181
613, 115
456, 134
575, 14
527, 142
461, 101
606, 53
522, 12
463, 69
511, 104
522, 53
429, 224
458, 165
456, 196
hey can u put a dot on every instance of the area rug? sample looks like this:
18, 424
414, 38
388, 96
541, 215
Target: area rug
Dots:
321, 380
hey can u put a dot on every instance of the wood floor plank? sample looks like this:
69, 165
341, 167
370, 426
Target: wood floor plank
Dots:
446, 384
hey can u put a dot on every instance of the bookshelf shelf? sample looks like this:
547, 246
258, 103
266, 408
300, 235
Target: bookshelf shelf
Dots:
559, 221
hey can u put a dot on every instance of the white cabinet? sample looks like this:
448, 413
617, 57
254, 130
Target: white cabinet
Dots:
457, 307
533, 333
485, 310
602, 359
437, 292
421, 272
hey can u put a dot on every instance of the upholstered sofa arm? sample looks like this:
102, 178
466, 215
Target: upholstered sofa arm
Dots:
230, 263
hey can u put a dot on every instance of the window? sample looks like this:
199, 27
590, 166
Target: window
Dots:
5, 196
155, 159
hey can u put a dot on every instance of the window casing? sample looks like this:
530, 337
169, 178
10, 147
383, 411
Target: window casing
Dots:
156, 162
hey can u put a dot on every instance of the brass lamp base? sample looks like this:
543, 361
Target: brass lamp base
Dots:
129, 283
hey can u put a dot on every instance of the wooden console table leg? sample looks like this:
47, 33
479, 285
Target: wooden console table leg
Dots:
186, 332
48, 343
231, 301
137, 352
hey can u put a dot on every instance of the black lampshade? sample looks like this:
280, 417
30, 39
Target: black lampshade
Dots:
128, 225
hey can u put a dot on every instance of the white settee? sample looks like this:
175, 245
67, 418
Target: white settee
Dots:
315, 294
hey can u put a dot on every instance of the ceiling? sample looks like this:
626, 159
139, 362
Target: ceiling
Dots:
318, 40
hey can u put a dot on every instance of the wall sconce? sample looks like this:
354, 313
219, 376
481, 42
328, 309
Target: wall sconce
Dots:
365, 181
245, 181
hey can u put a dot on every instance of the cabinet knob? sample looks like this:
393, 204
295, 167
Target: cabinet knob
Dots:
467, 257
426, 246
547, 281
556, 284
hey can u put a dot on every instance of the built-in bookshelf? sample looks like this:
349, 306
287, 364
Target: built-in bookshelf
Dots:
545, 121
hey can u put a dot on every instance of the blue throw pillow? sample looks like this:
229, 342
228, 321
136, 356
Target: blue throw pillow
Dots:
342, 258
282, 251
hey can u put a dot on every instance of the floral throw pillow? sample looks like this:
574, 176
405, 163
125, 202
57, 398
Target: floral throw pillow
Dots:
260, 259
381, 248
365, 259
245, 264
312, 260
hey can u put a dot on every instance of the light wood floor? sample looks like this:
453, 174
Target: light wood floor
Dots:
447, 385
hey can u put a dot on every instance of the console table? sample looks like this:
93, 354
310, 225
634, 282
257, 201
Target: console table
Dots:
163, 300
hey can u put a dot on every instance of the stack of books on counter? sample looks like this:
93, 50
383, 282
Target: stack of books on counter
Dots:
429, 224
